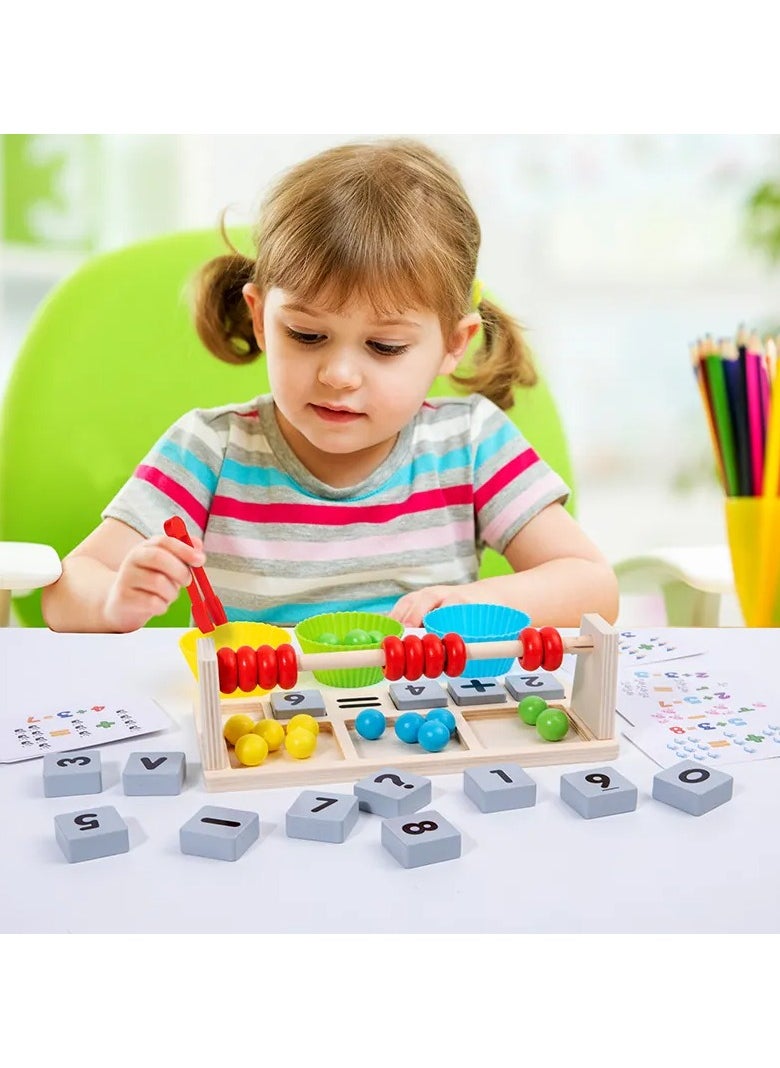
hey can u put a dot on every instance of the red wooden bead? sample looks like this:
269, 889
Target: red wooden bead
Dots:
433, 651
287, 664
247, 668
227, 669
454, 654
414, 657
395, 658
533, 649
266, 667
553, 648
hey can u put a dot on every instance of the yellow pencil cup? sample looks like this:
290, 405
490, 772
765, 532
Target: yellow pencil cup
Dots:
753, 526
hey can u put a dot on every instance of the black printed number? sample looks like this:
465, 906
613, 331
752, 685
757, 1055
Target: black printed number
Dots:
65, 761
420, 828
87, 821
597, 779
694, 776
326, 803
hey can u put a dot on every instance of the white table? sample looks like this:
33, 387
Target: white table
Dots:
543, 869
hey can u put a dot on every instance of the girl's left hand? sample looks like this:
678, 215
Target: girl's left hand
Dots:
411, 608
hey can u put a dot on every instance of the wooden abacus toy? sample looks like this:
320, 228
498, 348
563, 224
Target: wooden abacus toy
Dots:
483, 734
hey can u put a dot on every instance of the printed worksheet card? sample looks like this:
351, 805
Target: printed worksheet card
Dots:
710, 715
34, 730
652, 646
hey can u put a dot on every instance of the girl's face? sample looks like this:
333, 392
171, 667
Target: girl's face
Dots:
345, 384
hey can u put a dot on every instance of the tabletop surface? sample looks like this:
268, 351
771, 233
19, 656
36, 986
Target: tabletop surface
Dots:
541, 869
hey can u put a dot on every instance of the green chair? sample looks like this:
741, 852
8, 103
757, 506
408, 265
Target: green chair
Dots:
110, 361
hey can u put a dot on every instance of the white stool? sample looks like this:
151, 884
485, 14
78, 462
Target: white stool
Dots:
692, 580
25, 566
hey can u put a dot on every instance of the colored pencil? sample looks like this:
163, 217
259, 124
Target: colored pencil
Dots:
706, 399
734, 373
752, 361
718, 391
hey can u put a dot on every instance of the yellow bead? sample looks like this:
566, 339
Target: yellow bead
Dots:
300, 743
304, 720
272, 733
251, 750
236, 726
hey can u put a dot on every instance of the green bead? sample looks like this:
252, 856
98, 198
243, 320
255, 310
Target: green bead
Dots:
553, 724
357, 637
377, 636
328, 638
529, 708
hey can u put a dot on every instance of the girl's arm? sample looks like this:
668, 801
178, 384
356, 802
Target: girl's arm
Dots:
559, 576
117, 579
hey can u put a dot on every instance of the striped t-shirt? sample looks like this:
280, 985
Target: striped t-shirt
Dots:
281, 545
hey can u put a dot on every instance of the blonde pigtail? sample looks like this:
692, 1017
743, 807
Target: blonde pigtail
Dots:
504, 360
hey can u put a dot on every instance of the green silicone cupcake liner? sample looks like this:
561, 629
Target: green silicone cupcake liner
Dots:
341, 623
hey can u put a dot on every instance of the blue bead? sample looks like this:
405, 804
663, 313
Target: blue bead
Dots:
433, 735
407, 726
370, 723
444, 716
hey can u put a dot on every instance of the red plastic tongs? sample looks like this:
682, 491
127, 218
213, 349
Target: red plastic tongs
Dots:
207, 610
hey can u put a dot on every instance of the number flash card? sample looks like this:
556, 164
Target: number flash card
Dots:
83, 725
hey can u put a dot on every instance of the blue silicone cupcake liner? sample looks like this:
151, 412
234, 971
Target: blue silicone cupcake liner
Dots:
479, 623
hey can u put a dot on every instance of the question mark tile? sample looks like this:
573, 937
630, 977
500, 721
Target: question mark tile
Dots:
91, 833
425, 838
289, 703
391, 792
692, 788
598, 792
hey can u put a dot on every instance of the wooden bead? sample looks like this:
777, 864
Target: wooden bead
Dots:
247, 668
227, 669
533, 649
433, 652
267, 672
414, 658
454, 654
287, 666
395, 658
552, 658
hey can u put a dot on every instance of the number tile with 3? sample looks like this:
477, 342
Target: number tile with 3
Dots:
69, 774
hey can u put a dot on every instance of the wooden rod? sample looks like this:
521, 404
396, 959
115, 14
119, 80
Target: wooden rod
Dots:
475, 651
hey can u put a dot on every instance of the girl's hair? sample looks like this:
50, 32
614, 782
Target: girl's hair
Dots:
389, 222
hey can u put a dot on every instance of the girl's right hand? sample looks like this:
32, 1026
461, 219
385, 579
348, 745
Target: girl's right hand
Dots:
149, 580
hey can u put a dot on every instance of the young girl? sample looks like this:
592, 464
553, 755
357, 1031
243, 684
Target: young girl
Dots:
344, 488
